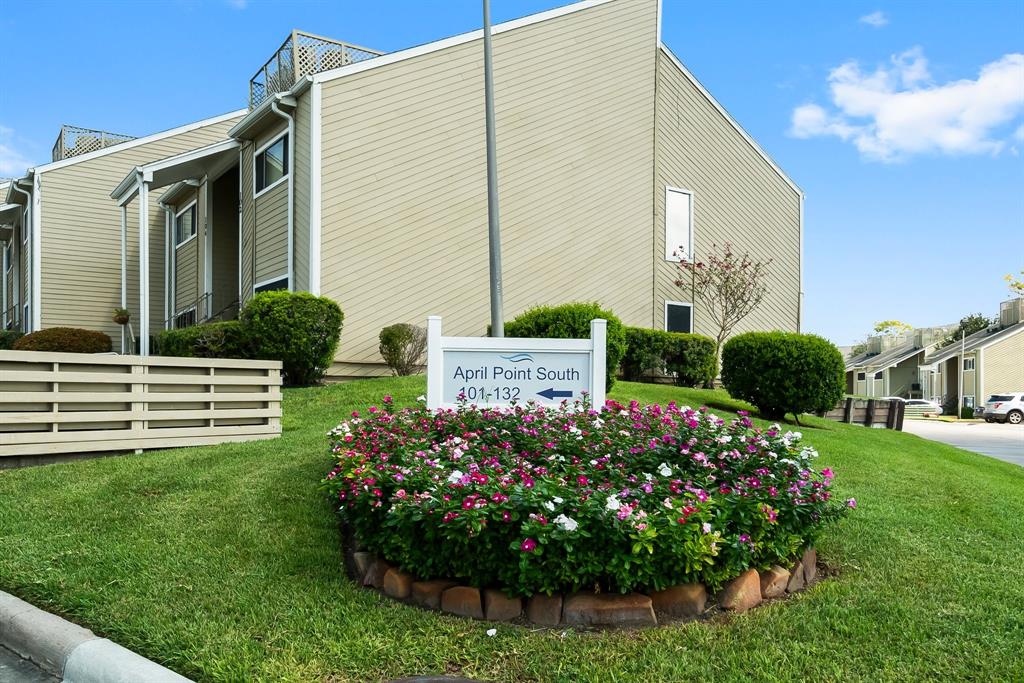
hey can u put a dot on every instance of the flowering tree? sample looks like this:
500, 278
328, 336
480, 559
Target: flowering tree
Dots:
1016, 284
728, 285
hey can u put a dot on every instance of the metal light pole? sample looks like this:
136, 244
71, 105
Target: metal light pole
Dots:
493, 228
960, 377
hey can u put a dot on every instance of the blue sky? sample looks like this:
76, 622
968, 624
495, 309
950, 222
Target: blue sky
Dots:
903, 122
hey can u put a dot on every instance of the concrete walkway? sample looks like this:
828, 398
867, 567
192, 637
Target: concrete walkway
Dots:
14, 669
1002, 441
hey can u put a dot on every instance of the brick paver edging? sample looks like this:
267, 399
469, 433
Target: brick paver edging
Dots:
73, 653
687, 601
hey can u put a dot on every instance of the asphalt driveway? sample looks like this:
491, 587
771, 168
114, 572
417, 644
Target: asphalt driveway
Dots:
1002, 441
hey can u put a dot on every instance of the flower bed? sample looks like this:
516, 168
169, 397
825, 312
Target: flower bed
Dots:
535, 500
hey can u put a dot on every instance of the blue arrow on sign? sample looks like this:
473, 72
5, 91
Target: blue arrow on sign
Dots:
552, 394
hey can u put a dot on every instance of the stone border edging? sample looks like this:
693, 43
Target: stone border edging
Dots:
682, 602
72, 652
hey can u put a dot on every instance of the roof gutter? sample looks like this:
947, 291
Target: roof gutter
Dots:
291, 187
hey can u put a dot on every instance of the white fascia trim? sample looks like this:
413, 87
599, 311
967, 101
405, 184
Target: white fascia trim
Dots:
445, 43
800, 294
728, 117
315, 208
678, 303
129, 184
140, 141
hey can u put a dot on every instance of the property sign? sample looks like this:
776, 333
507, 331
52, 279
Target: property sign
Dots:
496, 372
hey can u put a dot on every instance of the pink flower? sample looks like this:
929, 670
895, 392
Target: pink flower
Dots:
528, 546
851, 503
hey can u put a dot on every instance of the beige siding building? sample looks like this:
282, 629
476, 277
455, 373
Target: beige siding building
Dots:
360, 176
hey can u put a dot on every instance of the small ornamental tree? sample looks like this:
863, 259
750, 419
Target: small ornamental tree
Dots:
729, 286
402, 347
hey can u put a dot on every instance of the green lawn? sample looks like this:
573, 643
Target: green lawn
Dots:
224, 564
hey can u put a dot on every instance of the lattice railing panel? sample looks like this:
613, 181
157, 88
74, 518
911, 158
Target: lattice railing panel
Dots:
74, 141
302, 54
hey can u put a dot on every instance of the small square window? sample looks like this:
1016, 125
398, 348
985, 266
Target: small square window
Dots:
969, 363
968, 401
861, 376
878, 375
272, 164
678, 317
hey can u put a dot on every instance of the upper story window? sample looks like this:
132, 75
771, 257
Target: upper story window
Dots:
25, 227
969, 363
879, 375
271, 164
8, 261
185, 225
678, 224
860, 376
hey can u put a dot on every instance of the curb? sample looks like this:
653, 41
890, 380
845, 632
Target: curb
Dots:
71, 652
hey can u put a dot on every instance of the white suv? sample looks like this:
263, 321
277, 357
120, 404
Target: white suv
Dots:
1008, 407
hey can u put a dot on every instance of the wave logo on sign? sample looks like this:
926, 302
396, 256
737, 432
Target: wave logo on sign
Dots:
518, 358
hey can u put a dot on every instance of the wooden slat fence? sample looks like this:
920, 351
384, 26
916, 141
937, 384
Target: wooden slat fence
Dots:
869, 412
52, 403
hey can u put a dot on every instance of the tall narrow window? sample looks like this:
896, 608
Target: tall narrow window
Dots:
25, 227
272, 163
185, 224
678, 317
678, 224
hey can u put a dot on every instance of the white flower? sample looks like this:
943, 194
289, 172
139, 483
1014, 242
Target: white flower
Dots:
613, 503
724, 439
455, 476
598, 422
345, 428
421, 399
664, 470
567, 523
593, 463
549, 505
706, 526
492, 632
648, 476
558, 501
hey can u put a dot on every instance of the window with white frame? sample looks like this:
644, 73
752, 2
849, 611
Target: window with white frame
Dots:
271, 163
271, 286
860, 376
879, 375
678, 224
678, 316
969, 363
968, 401
185, 225
25, 227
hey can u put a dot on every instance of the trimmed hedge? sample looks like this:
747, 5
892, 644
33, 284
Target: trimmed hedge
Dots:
8, 337
402, 347
691, 357
65, 340
783, 372
211, 340
296, 328
572, 321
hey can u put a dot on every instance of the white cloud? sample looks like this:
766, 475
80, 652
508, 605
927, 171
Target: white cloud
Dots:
876, 19
12, 162
897, 111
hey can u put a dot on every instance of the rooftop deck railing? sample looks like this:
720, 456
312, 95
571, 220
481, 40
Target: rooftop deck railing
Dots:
300, 55
73, 141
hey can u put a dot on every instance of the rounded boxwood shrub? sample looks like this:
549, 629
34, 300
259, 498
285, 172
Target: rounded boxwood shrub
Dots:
539, 500
7, 339
64, 339
572, 321
402, 347
649, 353
783, 372
297, 328
227, 339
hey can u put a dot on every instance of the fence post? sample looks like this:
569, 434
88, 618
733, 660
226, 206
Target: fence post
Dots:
890, 415
901, 410
848, 410
869, 416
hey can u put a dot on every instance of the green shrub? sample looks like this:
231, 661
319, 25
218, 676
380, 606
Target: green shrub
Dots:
691, 357
783, 372
572, 321
296, 328
64, 339
7, 339
211, 340
402, 347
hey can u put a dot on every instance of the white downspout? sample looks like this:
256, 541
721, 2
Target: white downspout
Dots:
167, 262
291, 192
124, 269
143, 265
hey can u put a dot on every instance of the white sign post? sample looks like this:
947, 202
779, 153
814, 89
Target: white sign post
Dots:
496, 371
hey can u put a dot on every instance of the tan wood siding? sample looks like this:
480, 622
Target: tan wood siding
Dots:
738, 198
301, 193
248, 220
1003, 366
272, 233
404, 190
81, 233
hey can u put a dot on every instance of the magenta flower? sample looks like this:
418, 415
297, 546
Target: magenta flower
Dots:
851, 503
528, 546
